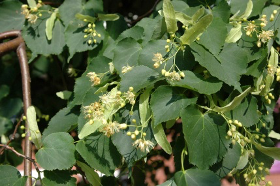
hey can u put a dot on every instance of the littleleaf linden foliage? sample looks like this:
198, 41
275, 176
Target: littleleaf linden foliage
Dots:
211, 67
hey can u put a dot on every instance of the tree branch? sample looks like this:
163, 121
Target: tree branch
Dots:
13, 135
18, 43
23, 156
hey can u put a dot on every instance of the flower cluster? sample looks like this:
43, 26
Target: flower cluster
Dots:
126, 69
111, 128
130, 96
143, 145
91, 33
94, 78
158, 59
31, 14
263, 35
173, 76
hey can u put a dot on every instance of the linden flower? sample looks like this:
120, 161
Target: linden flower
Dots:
32, 18
250, 28
174, 76
130, 96
143, 145
126, 69
94, 111
265, 36
158, 59
94, 78
110, 129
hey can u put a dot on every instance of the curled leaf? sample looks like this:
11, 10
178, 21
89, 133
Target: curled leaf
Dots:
234, 34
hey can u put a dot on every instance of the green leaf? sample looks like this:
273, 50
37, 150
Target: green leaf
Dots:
108, 17
130, 153
10, 16
100, 153
277, 2
74, 37
11, 176
198, 83
90, 128
161, 138
169, 15
37, 42
204, 134
273, 152
245, 112
248, 10
147, 54
4, 91
274, 135
169, 182
258, 6
68, 9
84, 92
196, 177
35, 133
273, 62
183, 18
167, 102
230, 161
58, 178
65, 95
63, 121
234, 34
227, 67
234, 103
87, 17
9, 157
57, 152
126, 53
144, 108
91, 175
5, 125
49, 25
10, 107
139, 77
31, 3
198, 14
197, 29
214, 36
222, 10
243, 160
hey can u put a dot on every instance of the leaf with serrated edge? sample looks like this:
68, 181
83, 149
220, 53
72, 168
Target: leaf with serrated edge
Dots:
167, 102
10, 16
58, 152
91, 175
161, 138
170, 18
203, 134
35, 133
11, 176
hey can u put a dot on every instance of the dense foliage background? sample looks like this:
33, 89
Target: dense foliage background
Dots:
61, 89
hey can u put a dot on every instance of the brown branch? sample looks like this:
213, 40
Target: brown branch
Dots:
146, 14
13, 135
23, 156
18, 43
